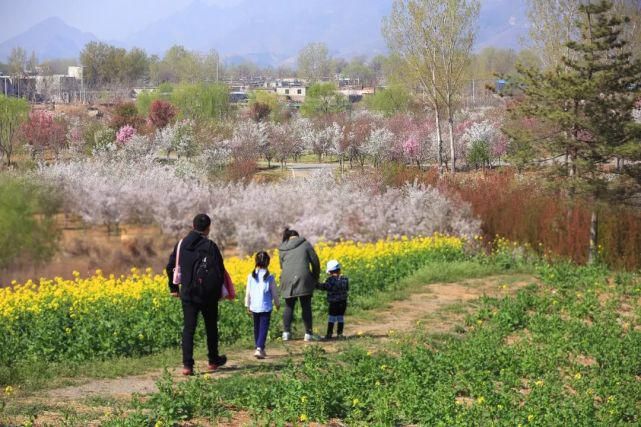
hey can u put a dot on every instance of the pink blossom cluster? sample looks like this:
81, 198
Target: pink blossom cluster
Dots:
125, 133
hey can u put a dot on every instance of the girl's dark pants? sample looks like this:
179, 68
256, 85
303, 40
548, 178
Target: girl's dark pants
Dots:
288, 312
261, 328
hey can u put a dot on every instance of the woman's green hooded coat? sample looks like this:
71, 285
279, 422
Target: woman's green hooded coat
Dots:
300, 268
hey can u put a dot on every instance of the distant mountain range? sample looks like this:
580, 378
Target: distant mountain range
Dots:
267, 32
49, 39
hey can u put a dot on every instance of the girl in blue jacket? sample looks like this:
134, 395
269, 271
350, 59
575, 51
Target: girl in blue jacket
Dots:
260, 297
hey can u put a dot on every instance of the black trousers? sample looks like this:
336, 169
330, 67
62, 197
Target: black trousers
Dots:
337, 308
190, 316
288, 312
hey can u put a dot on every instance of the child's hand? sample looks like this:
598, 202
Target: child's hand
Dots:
249, 311
278, 308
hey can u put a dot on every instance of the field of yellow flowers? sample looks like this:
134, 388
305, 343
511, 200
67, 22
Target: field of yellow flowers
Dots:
106, 316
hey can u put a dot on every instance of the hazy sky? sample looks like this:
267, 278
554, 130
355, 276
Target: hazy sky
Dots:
106, 19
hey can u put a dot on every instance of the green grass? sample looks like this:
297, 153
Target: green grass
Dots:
312, 158
578, 363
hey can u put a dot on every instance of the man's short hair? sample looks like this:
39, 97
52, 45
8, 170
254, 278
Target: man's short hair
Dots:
201, 222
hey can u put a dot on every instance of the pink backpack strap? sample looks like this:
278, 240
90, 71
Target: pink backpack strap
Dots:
178, 254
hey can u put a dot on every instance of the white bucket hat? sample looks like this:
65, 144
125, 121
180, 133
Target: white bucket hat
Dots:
333, 265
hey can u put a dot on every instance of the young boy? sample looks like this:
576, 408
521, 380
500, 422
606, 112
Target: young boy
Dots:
337, 287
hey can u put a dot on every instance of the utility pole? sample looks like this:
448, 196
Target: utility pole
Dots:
82, 85
473, 93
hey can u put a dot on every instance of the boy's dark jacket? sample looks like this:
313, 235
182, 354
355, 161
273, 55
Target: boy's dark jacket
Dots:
337, 288
193, 249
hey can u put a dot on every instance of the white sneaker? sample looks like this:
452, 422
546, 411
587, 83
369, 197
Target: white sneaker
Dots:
262, 354
287, 336
259, 353
310, 337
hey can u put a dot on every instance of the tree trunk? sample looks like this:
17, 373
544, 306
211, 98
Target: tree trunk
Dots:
450, 126
594, 234
439, 139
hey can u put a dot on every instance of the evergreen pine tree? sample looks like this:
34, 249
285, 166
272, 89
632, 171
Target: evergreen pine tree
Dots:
583, 115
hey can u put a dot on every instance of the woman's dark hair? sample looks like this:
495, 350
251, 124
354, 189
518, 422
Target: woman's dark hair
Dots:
287, 234
262, 261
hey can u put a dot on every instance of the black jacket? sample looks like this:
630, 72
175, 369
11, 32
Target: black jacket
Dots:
194, 248
337, 288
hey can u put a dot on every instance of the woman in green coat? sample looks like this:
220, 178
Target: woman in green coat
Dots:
300, 270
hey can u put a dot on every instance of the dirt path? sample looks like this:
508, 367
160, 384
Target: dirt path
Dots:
436, 308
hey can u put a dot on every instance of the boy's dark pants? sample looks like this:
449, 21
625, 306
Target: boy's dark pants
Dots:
190, 316
261, 328
336, 315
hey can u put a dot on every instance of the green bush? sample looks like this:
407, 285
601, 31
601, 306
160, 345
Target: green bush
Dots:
27, 231
479, 154
389, 101
193, 101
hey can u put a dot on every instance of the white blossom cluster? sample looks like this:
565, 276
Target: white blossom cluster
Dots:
253, 215
480, 131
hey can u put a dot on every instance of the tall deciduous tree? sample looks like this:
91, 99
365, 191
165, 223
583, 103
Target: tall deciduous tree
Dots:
32, 63
17, 61
433, 40
586, 109
314, 62
107, 65
12, 113
552, 26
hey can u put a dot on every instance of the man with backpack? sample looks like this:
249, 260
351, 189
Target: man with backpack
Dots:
196, 275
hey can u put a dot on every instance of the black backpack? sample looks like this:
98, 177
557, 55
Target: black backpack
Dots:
206, 274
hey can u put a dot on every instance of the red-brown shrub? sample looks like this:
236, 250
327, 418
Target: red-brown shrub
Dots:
520, 208
241, 170
161, 113
126, 113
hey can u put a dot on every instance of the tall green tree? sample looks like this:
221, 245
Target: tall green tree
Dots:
390, 100
322, 99
102, 63
583, 114
108, 65
13, 112
135, 66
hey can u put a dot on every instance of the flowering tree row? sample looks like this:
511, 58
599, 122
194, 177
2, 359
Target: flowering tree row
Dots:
251, 216
364, 136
